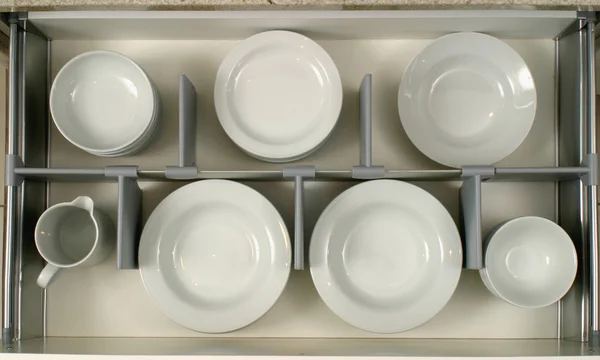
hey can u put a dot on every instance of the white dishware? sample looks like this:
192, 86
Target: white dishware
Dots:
215, 256
530, 262
467, 99
145, 139
385, 256
105, 104
72, 234
278, 95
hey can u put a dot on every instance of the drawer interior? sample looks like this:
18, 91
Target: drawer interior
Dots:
103, 302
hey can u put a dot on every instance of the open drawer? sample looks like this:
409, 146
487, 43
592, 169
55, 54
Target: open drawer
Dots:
105, 309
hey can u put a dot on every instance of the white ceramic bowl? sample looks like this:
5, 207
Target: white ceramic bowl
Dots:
214, 256
530, 262
385, 256
143, 141
467, 99
102, 102
278, 95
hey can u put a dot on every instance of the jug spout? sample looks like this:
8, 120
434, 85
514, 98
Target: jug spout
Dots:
85, 203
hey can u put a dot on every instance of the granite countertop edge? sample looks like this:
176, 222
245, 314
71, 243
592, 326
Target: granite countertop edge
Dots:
220, 5
261, 5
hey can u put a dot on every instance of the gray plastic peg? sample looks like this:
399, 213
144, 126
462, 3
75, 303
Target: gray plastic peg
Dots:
591, 177
128, 223
13, 162
299, 173
129, 206
366, 170
121, 171
186, 170
485, 171
470, 214
187, 122
365, 120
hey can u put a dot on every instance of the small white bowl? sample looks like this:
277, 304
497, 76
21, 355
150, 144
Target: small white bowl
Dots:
102, 102
530, 262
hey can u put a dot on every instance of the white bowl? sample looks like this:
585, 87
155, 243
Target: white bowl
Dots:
467, 99
530, 262
385, 256
102, 102
143, 141
215, 256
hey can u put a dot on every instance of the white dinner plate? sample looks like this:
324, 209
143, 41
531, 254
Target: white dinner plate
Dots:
215, 256
467, 99
102, 102
530, 262
278, 95
385, 256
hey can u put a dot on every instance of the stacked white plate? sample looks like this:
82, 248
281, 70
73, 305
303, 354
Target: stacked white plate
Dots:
105, 104
278, 96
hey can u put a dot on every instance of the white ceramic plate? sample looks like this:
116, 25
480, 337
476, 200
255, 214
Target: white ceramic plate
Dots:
385, 256
102, 101
215, 256
530, 262
278, 95
467, 99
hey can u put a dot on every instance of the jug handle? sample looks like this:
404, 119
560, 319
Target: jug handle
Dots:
47, 276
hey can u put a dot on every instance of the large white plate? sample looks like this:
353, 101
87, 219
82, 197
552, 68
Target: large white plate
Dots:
385, 256
215, 256
278, 95
467, 99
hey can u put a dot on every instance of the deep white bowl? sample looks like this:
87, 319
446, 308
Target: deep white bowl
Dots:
530, 262
144, 140
467, 99
102, 102
385, 256
215, 256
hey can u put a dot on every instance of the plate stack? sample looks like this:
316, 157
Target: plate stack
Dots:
105, 104
278, 96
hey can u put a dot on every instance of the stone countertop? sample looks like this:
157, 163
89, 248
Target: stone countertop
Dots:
207, 5
48, 5
215, 5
